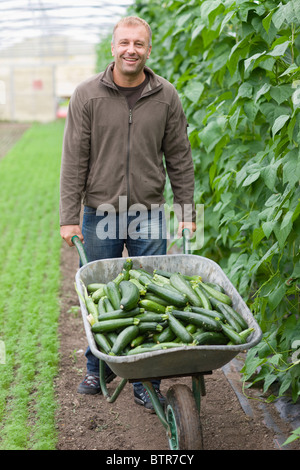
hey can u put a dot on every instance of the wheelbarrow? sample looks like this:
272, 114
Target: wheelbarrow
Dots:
180, 415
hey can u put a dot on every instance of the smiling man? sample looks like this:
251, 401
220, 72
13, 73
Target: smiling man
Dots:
131, 47
124, 129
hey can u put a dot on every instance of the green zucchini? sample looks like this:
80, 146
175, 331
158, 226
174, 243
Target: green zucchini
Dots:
161, 279
229, 318
152, 316
215, 286
184, 286
147, 326
222, 297
168, 285
137, 341
147, 344
92, 310
155, 298
245, 334
156, 347
103, 342
140, 286
239, 318
120, 277
97, 294
128, 263
120, 313
192, 278
167, 334
91, 307
198, 319
123, 339
144, 271
167, 345
142, 277
168, 274
209, 338
202, 296
211, 313
130, 295
113, 293
108, 305
114, 324
174, 298
101, 306
139, 350
233, 313
152, 305
94, 286
191, 328
111, 336
145, 280
232, 335
179, 329
163, 273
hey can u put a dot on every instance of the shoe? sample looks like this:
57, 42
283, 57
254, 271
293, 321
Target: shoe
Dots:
141, 397
91, 383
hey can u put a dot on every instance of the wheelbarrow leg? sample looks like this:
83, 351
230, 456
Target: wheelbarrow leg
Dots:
198, 387
158, 407
118, 389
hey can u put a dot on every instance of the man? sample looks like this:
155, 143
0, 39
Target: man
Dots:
120, 124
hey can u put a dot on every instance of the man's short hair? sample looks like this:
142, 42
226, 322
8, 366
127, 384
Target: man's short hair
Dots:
133, 21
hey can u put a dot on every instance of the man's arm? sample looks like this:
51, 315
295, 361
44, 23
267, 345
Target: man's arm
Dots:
179, 165
74, 168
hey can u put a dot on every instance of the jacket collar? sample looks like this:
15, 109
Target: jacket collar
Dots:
154, 83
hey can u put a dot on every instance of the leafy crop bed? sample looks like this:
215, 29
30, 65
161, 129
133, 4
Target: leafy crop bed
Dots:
30, 281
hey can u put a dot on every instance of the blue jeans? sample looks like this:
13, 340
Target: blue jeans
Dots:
106, 235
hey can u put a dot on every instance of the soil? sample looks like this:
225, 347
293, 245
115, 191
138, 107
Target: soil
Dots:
92, 423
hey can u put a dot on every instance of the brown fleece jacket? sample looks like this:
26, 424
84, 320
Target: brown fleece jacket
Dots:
111, 151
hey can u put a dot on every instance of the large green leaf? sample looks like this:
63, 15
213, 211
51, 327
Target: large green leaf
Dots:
291, 168
281, 93
194, 90
279, 49
279, 123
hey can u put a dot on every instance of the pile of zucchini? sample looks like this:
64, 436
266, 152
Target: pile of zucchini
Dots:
139, 311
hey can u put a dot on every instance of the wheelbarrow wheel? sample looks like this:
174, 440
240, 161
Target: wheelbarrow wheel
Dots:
183, 418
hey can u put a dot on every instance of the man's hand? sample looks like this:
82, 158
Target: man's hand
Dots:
68, 231
190, 225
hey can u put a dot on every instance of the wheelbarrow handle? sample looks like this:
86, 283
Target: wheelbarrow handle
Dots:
186, 234
83, 257
82, 254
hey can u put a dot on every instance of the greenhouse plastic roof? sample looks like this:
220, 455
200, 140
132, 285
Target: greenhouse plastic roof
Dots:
87, 21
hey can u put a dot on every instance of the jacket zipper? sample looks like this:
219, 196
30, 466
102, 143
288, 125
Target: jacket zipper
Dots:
128, 156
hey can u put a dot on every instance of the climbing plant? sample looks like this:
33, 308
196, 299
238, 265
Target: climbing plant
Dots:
236, 66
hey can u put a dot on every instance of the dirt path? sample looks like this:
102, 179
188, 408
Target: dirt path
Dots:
90, 422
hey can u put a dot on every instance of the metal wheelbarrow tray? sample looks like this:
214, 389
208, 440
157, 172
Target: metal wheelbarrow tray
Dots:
187, 360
